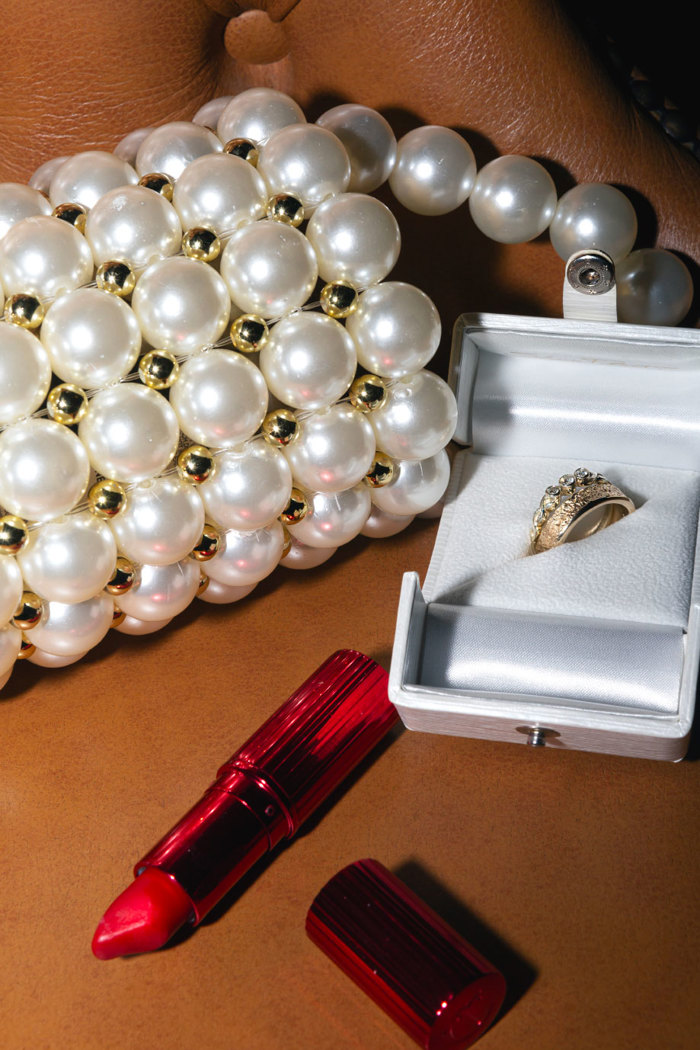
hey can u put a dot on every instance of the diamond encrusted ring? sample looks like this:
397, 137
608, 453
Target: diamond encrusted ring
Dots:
580, 504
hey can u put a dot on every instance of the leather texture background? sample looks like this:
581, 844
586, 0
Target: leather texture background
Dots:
575, 873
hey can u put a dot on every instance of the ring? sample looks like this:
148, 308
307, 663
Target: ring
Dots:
580, 505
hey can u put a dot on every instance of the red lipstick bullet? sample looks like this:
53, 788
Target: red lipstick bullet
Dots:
261, 795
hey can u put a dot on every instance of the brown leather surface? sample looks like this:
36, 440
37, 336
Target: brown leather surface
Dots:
253, 37
575, 873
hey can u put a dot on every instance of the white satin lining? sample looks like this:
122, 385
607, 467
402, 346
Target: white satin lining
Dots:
584, 409
490, 651
639, 569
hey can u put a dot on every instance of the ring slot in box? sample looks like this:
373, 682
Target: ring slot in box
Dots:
592, 644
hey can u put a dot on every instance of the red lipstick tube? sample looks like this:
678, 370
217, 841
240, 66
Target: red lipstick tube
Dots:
262, 795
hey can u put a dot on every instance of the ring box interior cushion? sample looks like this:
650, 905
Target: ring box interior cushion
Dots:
595, 641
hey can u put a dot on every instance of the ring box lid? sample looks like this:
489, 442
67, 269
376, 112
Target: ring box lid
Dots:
596, 642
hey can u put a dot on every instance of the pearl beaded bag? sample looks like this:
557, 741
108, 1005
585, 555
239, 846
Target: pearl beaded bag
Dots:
179, 412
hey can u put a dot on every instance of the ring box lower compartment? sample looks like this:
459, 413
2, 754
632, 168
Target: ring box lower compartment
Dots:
592, 645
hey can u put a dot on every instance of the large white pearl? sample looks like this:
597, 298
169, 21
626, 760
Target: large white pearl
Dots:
133, 225
334, 518
69, 560
249, 489
306, 161
10, 644
171, 147
594, 215
513, 200
395, 328
219, 192
369, 143
44, 256
417, 419
256, 114
415, 486
85, 177
308, 361
247, 557
130, 432
40, 658
434, 171
299, 556
25, 373
127, 148
380, 525
216, 593
208, 114
334, 450
181, 305
92, 338
356, 238
270, 269
70, 629
131, 625
162, 522
19, 202
653, 287
220, 398
41, 179
10, 588
162, 591
44, 469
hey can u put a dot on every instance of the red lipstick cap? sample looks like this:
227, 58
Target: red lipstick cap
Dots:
421, 972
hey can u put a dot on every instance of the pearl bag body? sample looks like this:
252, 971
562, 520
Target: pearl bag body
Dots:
592, 645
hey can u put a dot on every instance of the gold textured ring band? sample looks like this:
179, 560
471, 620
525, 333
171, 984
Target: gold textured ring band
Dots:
581, 504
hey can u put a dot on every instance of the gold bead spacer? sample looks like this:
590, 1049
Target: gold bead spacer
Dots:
249, 333
202, 244
115, 277
13, 534
195, 464
158, 369
67, 404
208, 545
368, 392
28, 612
118, 617
107, 498
203, 583
26, 649
381, 472
25, 310
286, 543
286, 208
339, 299
243, 148
123, 577
297, 508
159, 183
280, 428
74, 214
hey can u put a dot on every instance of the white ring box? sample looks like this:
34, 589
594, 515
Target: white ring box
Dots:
592, 645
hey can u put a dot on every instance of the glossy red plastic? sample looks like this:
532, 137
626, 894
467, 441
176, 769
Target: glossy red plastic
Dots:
277, 778
419, 970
